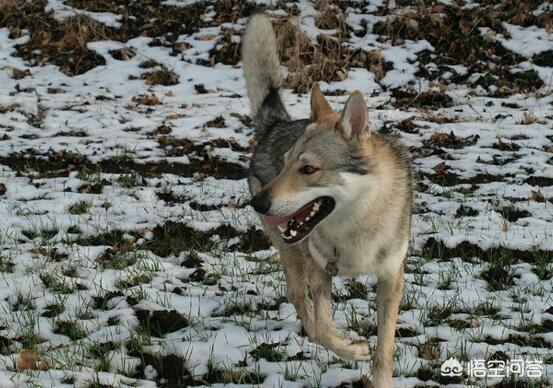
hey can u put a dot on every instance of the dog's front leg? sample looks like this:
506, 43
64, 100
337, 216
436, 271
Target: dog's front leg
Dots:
320, 283
295, 269
388, 297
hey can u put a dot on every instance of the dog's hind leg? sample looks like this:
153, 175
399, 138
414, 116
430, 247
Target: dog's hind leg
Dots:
320, 283
388, 297
295, 268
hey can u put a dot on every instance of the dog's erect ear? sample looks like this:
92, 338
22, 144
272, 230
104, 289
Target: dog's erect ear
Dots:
353, 122
319, 105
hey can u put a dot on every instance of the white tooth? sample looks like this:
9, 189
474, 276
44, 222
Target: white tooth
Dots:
301, 223
307, 218
313, 212
293, 233
282, 228
316, 206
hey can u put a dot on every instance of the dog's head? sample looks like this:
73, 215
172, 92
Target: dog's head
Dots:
322, 171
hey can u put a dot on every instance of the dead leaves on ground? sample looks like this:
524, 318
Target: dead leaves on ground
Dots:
146, 99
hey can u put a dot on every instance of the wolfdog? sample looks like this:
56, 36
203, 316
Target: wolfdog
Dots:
334, 198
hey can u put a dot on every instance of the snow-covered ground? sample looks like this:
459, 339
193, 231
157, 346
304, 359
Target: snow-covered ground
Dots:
129, 255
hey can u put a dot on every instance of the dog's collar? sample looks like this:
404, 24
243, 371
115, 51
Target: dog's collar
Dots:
332, 263
332, 266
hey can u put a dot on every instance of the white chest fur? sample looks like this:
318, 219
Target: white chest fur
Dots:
357, 256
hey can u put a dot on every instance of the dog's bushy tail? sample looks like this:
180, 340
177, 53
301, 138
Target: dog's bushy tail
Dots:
262, 71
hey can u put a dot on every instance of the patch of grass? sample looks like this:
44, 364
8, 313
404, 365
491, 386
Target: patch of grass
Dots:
6, 264
237, 309
272, 305
53, 310
120, 256
161, 76
128, 181
22, 302
268, 352
161, 322
80, 207
74, 229
357, 290
497, 256
487, 308
111, 238
170, 368
134, 279
99, 351
63, 43
459, 324
498, 278
46, 234
437, 314
57, 284
139, 338
73, 133
212, 279
429, 350
26, 331
70, 329
520, 340
543, 265
121, 261
101, 302
230, 376
70, 271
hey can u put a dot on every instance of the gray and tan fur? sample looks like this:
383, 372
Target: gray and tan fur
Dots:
367, 175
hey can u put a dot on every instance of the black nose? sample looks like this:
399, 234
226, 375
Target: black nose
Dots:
261, 202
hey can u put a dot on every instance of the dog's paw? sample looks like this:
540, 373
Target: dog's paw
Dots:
356, 351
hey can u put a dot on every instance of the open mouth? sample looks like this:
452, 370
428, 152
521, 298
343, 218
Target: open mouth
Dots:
295, 227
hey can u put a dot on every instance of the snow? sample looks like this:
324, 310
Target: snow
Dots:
63, 11
239, 303
526, 41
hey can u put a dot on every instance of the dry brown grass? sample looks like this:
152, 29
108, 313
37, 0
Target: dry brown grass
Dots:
326, 60
60, 42
331, 18
162, 76
296, 52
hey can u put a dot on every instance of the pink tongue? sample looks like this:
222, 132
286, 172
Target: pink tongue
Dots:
275, 220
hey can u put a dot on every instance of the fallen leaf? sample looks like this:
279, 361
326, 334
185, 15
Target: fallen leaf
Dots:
537, 196
180, 47
174, 116
206, 37
26, 360
528, 118
39, 251
366, 382
429, 351
440, 167
124, 54
18, 74
147, 99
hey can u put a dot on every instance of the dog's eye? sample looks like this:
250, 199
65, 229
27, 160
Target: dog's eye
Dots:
308, 170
